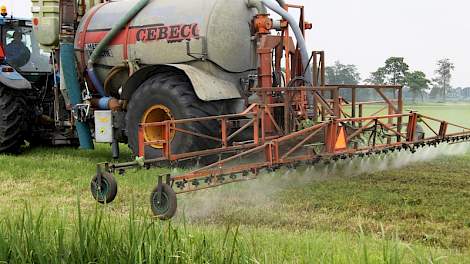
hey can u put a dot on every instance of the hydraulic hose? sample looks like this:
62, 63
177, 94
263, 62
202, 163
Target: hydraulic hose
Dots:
276, 7
105, 42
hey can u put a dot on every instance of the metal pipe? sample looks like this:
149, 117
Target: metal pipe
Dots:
69, 71
282, 3
258, 5
107, 39
278, 9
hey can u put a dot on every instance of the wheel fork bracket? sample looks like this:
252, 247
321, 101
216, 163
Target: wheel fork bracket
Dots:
160, 184
100, 168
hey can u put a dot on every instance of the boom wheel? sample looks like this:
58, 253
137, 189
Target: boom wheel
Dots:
163, 203
104, 190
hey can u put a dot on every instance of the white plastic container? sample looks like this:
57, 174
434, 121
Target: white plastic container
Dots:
46, 22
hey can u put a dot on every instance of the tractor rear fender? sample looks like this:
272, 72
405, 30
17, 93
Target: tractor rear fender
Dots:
206, 86
12, 79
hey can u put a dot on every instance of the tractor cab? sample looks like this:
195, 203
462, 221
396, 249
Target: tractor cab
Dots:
20, 48
29, 91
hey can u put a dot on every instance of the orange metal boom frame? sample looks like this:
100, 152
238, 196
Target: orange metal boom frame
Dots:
308, 145
284, 132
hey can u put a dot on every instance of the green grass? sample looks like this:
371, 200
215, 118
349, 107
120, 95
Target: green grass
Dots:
100, 238
455, 112
395, 209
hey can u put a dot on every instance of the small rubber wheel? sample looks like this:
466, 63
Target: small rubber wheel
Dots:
106, 191
165, 207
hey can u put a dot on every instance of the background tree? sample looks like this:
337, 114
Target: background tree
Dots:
444, 75
395, 71
377, 77
417, 83
343, 74
435, 89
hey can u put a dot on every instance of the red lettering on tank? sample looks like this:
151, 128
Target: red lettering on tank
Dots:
163, 33
152, 33
141, 35
175, 33
186, 31
171, 33
195, 30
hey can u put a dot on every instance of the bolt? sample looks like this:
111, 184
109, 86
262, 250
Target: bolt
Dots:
180, 185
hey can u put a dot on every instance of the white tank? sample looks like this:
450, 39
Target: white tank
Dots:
172, 32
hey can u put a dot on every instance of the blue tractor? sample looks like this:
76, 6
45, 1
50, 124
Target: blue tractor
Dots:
32, 108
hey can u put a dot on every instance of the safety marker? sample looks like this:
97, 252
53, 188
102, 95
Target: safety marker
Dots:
341, 143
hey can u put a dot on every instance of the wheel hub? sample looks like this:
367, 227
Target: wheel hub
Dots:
161, 205
156, 113
101, 189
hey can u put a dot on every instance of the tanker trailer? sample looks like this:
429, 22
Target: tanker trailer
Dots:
174, 59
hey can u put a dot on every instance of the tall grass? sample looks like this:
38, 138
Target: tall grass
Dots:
57, 236
99, 238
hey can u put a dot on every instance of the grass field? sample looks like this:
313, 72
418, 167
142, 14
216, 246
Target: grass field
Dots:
399, 208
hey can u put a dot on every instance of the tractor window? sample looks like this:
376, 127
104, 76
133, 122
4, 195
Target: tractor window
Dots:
23, 52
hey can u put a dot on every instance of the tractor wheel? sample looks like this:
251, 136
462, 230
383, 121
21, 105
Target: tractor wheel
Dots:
163, 207
106, 191
14, 122
170, 96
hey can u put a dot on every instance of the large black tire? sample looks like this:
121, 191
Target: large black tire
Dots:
174, 91
14, 120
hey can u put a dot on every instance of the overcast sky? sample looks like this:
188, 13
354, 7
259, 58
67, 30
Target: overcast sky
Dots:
366, 32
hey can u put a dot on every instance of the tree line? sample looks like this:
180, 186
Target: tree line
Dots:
396, 71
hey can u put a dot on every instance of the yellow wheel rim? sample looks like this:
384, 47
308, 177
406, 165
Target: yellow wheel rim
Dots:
156, 113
